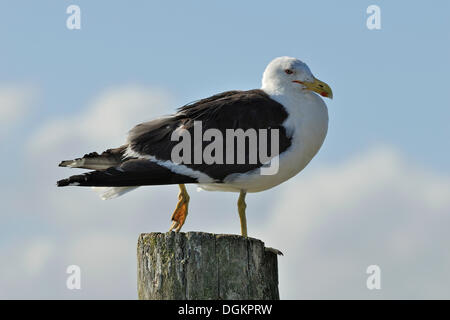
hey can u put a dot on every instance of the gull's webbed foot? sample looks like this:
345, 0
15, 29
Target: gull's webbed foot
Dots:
181, 210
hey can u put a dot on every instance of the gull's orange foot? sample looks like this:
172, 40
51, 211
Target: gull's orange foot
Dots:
181, 211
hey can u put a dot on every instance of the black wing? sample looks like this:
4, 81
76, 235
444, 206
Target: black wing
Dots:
132, 172
244, 110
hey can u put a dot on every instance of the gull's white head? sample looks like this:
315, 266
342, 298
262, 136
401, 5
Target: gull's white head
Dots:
287, 74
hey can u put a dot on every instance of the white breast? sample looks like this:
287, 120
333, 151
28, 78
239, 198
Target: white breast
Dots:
307, 124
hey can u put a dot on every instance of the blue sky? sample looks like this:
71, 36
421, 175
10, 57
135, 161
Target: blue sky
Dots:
389, 85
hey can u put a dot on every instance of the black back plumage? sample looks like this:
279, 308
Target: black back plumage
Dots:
252, 109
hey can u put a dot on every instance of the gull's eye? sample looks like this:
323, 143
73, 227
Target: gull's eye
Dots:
289, 71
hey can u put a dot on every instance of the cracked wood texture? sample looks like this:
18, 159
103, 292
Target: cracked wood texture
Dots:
202, 266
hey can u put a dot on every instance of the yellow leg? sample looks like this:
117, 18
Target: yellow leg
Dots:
241, 209
181, 211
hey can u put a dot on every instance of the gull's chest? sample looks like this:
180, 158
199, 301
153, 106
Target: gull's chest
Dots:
307, 126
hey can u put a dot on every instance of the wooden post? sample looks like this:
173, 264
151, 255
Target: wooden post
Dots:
201, 266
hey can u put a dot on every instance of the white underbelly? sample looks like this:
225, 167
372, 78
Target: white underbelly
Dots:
291, 162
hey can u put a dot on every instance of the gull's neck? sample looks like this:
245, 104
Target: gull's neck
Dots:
306, 109
284, 94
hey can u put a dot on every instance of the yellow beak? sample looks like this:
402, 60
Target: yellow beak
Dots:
318, 86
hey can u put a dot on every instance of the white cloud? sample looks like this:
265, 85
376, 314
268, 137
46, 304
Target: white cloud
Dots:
28, 257
104, 122
36, 256
15, 103
376, 208
104, 259
22, 264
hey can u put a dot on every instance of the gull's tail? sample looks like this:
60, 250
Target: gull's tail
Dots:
105, 160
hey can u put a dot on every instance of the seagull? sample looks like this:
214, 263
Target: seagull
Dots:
172, 149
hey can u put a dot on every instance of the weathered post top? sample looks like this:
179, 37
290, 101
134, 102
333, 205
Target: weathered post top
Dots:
200, 266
